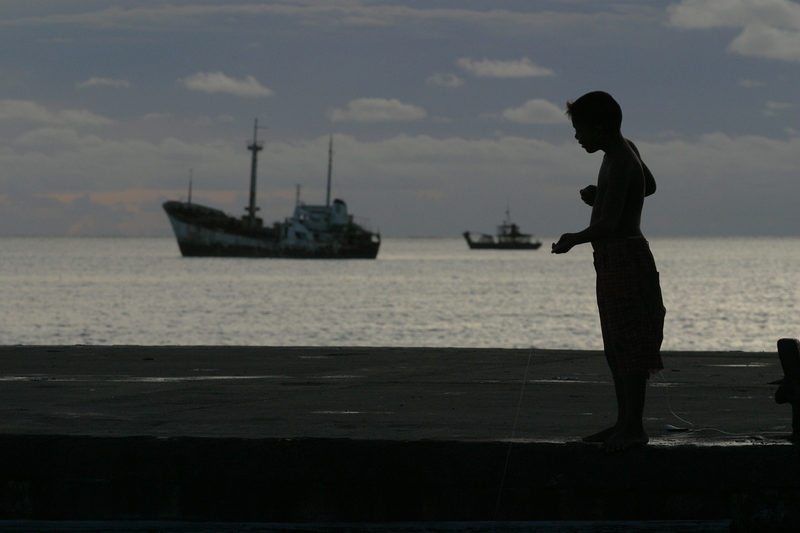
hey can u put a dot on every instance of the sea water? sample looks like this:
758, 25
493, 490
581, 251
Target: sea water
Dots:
737, 294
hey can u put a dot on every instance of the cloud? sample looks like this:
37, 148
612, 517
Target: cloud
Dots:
487, 68
770, 28
217, 82
445, 79
84, 214
102, 82
27, 111
707, 14
751, 178
156, 116
330, 13
759, 40
774, 108
377, 110
536, 111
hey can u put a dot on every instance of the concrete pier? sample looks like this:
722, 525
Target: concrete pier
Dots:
333, 435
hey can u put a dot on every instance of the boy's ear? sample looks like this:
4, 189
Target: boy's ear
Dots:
602, 132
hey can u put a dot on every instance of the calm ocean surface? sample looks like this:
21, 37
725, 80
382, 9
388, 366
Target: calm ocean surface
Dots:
720, 294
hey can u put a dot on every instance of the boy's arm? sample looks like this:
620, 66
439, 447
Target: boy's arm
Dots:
610, 214
589, 193
649, 180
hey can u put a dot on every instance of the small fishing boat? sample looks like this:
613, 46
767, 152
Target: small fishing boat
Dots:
508, 238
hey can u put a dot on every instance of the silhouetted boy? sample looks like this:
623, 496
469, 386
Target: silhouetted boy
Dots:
628, 291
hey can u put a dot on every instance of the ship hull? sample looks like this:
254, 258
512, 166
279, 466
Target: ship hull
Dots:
506, 244
205, 232
510, 246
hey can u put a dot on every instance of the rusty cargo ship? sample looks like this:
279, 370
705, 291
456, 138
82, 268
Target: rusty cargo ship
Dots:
312, 232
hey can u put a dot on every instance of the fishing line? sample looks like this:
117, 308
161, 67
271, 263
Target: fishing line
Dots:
669, 406
692, 429
513, 432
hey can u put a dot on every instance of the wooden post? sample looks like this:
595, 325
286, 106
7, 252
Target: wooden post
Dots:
789, 390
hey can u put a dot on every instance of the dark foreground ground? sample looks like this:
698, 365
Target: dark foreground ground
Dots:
380, 435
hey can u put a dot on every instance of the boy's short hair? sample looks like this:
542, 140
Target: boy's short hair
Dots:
597, 108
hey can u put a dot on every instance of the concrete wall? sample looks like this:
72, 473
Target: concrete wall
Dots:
343, 480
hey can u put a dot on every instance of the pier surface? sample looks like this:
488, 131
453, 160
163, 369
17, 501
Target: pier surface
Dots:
291, 434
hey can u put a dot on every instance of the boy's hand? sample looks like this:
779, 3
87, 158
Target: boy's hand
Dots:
588, 194
564, 244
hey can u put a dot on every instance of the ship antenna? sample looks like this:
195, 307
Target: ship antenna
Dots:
254, 147
330, 167
190, 186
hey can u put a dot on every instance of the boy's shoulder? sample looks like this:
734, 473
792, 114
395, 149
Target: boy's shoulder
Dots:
627, 155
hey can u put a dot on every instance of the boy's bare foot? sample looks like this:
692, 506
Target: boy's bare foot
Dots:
603, 435
625, 439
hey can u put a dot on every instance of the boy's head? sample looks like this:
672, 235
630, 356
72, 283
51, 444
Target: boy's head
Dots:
597, 110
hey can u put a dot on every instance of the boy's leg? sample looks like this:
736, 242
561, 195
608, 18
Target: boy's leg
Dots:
634, 389
619, 391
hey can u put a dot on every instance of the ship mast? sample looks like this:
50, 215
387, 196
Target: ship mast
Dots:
330, 166
254, 147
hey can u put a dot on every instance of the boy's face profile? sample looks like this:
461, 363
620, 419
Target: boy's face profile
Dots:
589, 136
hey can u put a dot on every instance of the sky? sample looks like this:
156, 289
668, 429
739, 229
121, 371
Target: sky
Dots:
444, 114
